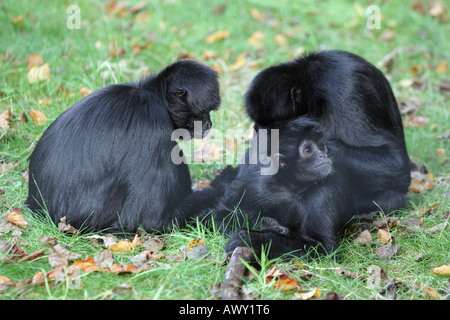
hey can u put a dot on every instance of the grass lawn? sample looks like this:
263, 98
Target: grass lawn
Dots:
120, 41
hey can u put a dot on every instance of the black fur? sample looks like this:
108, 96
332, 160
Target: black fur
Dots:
106, 161
303, 205
354, 102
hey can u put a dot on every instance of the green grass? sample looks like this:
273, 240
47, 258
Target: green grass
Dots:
80, 58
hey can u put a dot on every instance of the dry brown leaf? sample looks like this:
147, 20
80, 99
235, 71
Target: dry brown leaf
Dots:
384, 236
87, 265
217, 36
34, 60
61, 256
84, 91
442, 270
437, 9
430, 292
418, 186
281, 280
388, 34
364, 238
16, 217
39, 73
5, 116
138, 48
39, 118
63, 226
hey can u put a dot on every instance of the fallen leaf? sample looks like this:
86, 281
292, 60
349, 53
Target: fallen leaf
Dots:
256, 14
384, 236
281, 280
388, 34
10, 252
61, 256
281, 40
441, 153
364, 238
195, 249
331, 295
16, 217
104, 259
34, 60
5, 116
217, 36
38, 117
138, 48
255, 39
63, 226
5, 281
437, 9
114, 51
347, 274
441, 67
17, 20
121, 246
87, 265
437, 227
418, 186
376, 276
84, 91
442, 270
239, 63
430, 292
387, 250
314, 293
39, 73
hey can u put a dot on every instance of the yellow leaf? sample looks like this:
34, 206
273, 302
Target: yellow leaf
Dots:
256, 14
239, 63
441, 67
442, 270
5, 280
217, 36
441, 153
39, 118
196, 242
121, 246
255, 39
16, 217
281, 40
314, 293
385, 236
84, 91
17, 20
39, 73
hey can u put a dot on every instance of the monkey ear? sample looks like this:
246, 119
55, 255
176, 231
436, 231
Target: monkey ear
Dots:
296, 94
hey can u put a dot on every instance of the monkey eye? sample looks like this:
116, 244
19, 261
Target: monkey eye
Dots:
180, 92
